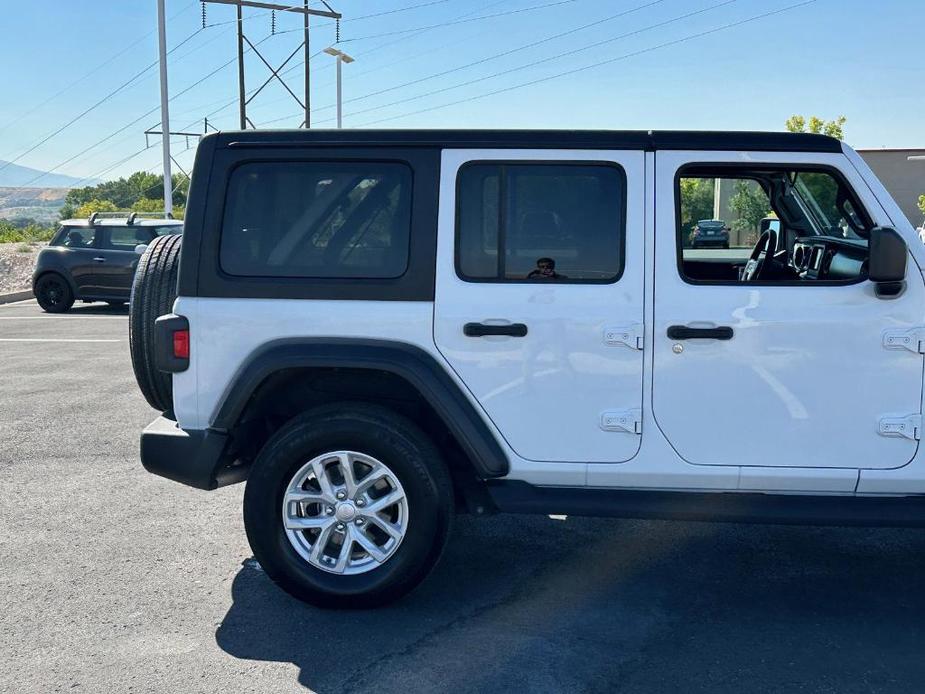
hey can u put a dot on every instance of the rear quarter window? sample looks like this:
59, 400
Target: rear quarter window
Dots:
316, 219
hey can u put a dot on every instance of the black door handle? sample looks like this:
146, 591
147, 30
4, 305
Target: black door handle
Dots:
682, 332
483, 329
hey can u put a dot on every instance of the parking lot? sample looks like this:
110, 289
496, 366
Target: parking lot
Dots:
114, 580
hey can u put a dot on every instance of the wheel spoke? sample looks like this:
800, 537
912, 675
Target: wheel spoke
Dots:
308, 523
321, 543
344, 555
321, 474
392, 530
303, 496
376, 474
382, 503
350, 481
370, 547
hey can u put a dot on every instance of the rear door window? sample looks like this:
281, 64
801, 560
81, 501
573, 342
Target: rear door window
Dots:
317, 219
126, 238
540, 222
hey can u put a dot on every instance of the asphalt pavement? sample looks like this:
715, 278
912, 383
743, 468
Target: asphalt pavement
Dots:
113, 580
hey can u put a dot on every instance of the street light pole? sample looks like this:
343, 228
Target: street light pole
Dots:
165, 117
341, 58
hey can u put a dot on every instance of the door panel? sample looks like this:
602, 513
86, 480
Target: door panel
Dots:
546, 385
114, 273
78, 250
803, 380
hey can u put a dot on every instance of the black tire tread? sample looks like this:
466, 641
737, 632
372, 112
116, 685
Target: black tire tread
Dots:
260, 522
154, 290
64, 306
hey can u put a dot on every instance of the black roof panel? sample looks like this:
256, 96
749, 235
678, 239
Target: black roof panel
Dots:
559, 139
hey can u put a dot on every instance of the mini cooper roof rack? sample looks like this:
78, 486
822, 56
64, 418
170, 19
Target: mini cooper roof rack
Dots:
129, 216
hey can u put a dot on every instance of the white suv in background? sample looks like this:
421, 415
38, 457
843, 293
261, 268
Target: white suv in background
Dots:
379, 329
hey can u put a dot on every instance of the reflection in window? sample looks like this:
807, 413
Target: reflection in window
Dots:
540, 222
317, 219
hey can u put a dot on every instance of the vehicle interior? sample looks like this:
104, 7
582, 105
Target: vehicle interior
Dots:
785, 226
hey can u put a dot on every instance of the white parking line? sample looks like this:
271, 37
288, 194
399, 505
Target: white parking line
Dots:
52, 339
71, 317
20, 303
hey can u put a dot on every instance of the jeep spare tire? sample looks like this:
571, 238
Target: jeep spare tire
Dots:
153, 292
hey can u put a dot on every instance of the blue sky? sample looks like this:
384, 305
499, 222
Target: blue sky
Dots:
859, 58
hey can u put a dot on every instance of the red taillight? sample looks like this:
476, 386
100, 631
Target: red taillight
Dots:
181, 344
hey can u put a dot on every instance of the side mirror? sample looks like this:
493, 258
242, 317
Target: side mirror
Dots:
141, 248
887, 260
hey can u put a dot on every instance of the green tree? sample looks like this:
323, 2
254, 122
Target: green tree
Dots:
922, 203
696, 202
156, 205
750, 204
148, 205
833, 128
87, 208
125, 192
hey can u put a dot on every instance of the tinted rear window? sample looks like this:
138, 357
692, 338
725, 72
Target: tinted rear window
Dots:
317, 219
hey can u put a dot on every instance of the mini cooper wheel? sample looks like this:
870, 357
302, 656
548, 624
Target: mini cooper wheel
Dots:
53, 293
348, 506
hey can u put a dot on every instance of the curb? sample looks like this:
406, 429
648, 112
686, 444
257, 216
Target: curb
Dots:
16, 296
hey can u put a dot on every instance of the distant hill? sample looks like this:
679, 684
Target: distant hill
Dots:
40, 204
12, 175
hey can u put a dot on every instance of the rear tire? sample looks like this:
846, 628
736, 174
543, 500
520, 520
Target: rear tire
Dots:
409, 465
154, 290
54, 293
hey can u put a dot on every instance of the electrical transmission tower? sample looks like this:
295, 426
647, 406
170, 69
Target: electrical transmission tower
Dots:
303, 9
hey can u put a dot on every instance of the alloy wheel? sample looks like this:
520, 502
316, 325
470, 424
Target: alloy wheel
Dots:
345, 512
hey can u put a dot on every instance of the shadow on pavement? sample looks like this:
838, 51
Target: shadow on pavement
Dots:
534, 604
96, 309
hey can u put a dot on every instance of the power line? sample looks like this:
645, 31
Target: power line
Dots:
532, 44
534, 63
590, 66
178, 59
415, 55
137, 120
99, 67
446, 24
91, 108
137, 76
373, 49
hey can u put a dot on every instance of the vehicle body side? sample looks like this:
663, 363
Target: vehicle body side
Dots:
98, 271
233, 322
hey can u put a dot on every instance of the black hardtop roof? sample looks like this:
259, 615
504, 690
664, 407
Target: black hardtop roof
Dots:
559, 139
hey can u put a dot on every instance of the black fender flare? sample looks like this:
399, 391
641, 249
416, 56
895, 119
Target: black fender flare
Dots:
407, 361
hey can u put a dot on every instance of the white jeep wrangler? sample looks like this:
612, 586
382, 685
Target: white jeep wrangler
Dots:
379, 329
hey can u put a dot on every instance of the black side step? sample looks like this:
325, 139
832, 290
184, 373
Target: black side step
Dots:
734, 507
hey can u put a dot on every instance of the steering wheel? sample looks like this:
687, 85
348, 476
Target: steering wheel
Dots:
761, 258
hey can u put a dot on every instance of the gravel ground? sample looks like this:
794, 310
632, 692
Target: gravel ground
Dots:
114, 580
17, 261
